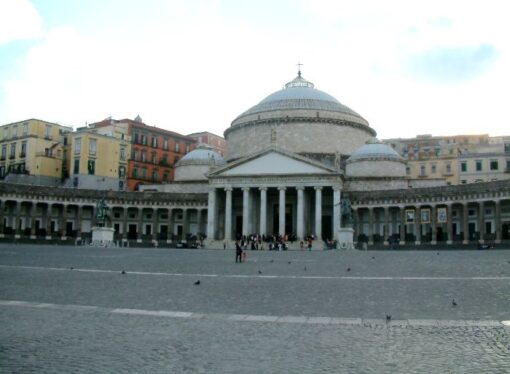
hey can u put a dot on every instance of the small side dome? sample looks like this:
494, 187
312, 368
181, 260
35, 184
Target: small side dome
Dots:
195, 165
375, 160
375, 149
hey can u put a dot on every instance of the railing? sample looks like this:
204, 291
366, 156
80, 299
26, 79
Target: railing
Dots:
22, 154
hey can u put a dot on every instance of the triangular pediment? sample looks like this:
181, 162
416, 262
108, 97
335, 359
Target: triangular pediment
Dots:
272, 162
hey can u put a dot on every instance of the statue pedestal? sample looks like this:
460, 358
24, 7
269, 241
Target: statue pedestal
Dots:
102, 236
345, 238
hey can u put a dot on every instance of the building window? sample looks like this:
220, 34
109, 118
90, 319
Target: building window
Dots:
187, 148
408, 170
154, 175
92, 147
165, 176
6, 133
144, 139
165, 143
433, 168
47, 132
23, 149
135, 137
144, 173
4, 151
122, 171
478, 165
25, 129
154, 142
448, 168
144, 156
15, 131
13, 150
154, 158
135, 173
91, 167
136, 154
76, 166
463, 166
422, 170
507, 165
77, 145
494, 165
177, 147
123, 153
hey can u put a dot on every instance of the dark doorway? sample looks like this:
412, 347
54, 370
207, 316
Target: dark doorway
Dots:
505, 231
326, 228
132, 232
439, 234
288, 219
472, 231
239, 227
69, 229
179, 231
163, 234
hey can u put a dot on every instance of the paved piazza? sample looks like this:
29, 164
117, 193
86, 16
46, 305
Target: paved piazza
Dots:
70, 309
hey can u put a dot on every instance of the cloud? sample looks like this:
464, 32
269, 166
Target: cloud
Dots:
452, 64
19, 20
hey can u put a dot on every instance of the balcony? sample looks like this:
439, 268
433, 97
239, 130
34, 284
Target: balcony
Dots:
12, 157
2, 158
22, 155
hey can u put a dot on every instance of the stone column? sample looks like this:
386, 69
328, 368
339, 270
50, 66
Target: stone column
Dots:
465, 223
386, 229
263, 211
211, 216
355, 223
246, 211
125, 223
185, 224
63, 221
170, 229
228, 214
497, 221
79, 218
33, 212
370, 225
2, 207
481, 221
140, 225
17, 217
155, 223
417, 225
300, 213
49, 208
449, 226
318, 213
281, 212
336, 211
433, 224
402, 225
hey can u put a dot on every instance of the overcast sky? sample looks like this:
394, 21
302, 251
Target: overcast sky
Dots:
408, 67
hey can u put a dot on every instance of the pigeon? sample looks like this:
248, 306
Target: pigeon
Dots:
437, 252
290, 262
260, 272
197, 283
388, 317
454, 303
71, 268
271, 260
373, 258
123, 272
304, 268
348, 269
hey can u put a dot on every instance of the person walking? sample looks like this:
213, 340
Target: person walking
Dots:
239, 252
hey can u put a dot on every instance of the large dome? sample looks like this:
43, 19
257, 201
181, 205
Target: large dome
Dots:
300, 119
195, 165
301, 94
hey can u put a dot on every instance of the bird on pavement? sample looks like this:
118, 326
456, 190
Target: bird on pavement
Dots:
271, 260
123, 272
388, 317
71, 268
454, 303
304, 268
348, 269
260, 272
197, 283
290, 262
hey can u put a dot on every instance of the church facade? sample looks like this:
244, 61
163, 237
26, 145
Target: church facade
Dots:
290, 162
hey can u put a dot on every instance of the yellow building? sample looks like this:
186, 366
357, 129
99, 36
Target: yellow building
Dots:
98, 158
459, 159
33, 152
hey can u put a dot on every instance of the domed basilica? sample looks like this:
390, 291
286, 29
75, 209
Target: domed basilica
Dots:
295, 156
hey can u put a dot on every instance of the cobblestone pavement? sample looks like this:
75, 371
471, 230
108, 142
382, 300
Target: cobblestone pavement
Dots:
297, 312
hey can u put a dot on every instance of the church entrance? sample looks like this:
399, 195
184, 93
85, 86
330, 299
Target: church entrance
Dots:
326, 228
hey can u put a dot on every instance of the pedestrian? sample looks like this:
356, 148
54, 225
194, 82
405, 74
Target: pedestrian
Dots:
309, 244
239, 252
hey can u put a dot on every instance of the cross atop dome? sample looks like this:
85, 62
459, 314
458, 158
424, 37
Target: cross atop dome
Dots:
299, 81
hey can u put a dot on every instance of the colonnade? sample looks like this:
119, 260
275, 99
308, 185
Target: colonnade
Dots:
464, 221
259, 207
35, 219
